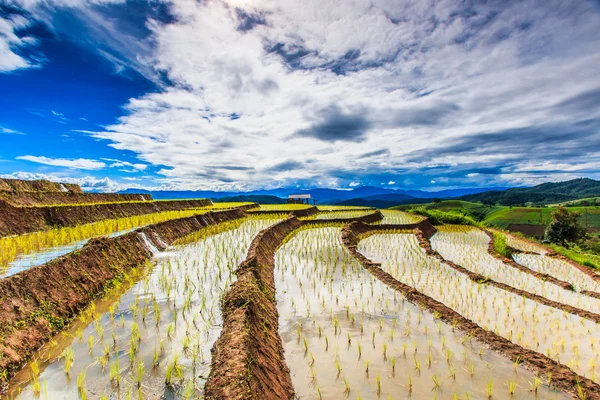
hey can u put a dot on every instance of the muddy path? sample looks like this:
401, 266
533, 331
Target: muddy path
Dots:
39, 302
562, 377
30, 199
247, 359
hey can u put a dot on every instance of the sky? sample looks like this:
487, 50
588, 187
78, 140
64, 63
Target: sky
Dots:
243, 95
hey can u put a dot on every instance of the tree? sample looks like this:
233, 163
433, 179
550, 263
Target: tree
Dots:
437, 200
564, 227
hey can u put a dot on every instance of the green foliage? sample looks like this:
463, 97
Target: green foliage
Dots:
565, 227
438, 217
501, 246
540, 194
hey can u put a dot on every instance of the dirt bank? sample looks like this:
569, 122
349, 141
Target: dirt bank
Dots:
247, 359
426, 245
562, 377
20, 220
29, 199
37, 303
539, 275
589, 271
19, 185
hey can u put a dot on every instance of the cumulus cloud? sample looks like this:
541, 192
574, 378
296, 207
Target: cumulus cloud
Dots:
79, 163
11, 44
268, 93
87, 183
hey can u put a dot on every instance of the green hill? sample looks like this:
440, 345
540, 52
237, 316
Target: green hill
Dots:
541, 194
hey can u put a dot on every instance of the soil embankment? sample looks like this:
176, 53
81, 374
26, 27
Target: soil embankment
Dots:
562, 377
248, 361
426, 245
543, 276
19, 185
20, 220
31, 199
589, 271
37, 303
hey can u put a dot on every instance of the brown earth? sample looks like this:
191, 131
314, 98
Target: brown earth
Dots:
533, 230
20, 220
589, 271
247, 359
29, 199
19, 185
37, 303
539, 275
426, 245
562, 377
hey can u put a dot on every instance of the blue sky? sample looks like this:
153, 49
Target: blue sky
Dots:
242, 94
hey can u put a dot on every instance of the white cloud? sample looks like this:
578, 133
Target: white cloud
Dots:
10, 131
413, 75
478, 78
353, 184
79, 163
87, 183
391, 183
10, 42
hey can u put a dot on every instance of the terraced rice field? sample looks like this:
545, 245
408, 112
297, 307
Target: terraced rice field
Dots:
265, 305
153, 338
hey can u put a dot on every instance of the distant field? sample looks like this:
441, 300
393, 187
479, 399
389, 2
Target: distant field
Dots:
502, 216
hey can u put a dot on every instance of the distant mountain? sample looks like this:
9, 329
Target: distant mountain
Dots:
540, 194
323, 196
382, 201
253, 198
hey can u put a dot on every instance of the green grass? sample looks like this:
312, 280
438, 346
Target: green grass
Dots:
502, 216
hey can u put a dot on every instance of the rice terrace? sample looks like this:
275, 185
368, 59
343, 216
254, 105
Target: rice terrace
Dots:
299, 200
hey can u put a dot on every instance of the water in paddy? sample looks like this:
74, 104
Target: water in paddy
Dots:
153, 339
470, 249
26, 261
343, 214
398, 217
566, 338
346, 334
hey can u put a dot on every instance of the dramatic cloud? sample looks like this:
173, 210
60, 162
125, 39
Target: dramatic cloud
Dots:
267, 93
80, 163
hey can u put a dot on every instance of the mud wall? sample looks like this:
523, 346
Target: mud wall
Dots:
248, 361
28, 199
20, 220
589, 271
19, 185
37, 303
562, 377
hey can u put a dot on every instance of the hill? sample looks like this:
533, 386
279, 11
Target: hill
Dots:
540, 194
322, 195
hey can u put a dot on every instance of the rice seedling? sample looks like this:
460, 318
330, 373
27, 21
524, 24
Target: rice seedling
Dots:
313, 270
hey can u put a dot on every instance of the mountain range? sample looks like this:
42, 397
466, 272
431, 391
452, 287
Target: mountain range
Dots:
325, 196
551, 192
